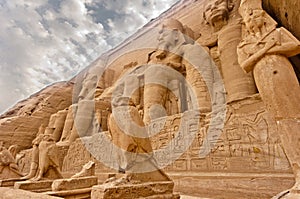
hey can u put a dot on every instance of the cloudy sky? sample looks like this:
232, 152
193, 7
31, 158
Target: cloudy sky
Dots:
44, 41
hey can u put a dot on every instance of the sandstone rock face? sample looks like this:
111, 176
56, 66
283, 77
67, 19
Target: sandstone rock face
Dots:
21, 123
285, 14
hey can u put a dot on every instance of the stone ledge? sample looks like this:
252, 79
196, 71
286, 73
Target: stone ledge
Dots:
9, 193
35, 186
85, 193
151, 190
9, 182
231, 185
74, 183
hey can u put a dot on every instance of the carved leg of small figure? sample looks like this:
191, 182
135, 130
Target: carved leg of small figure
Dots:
34, 163
32, 172
38, 176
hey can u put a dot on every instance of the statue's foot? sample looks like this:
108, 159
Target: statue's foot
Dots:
35, 179
28, 176
121, 170
24, 178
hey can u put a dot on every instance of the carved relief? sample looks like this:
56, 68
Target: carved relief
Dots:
249, 141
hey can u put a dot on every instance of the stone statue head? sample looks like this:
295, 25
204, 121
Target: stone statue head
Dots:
171, 34
48, 135
216, 13
254, 17
88, 87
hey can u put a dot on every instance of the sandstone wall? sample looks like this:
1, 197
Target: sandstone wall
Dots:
286, 13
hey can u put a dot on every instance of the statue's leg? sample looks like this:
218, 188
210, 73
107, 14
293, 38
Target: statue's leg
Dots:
34, 163
280, 92
154, 94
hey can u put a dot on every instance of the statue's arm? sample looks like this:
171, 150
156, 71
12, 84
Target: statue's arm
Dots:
249, 63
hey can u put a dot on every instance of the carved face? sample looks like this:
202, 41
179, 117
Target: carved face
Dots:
254, 21
216, 12
167, 38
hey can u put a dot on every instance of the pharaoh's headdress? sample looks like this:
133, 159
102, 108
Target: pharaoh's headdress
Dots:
171, 23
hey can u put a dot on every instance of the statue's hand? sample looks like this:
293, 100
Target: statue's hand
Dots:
177, 66
249, 63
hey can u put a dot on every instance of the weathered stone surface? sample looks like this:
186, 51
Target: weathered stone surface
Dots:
9, 182
74, 183
49, 159
285, 13
77, 193
265, 50
20, 124
35, 186
8, 193
230, 185
145, 190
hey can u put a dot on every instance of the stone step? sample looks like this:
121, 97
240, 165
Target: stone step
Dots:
34, 186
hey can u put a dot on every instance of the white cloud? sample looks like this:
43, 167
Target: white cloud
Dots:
46, 41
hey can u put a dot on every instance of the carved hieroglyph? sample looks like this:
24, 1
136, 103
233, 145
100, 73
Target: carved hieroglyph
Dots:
249, 142
264, 49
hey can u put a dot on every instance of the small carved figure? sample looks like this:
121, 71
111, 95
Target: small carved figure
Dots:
48, 157
44, 156
7, 160
34, 158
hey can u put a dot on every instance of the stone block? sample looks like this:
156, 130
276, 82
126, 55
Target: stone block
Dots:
35, 186
9, 182
74, 183
77, 193
149, 190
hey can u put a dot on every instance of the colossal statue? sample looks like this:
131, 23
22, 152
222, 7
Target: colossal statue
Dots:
158, 77
48, 157
265, 50
85, 111
227, 30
